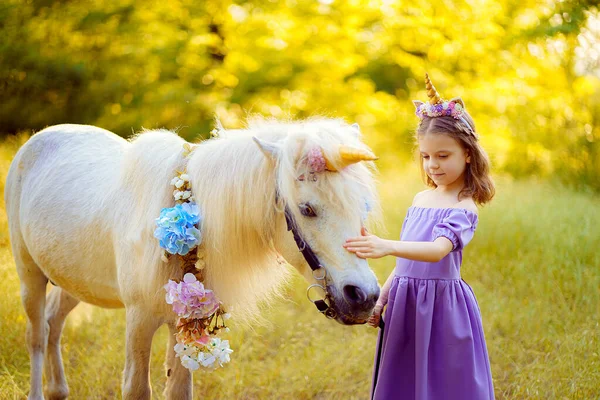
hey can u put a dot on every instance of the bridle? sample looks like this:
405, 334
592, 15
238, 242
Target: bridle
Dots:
325, 303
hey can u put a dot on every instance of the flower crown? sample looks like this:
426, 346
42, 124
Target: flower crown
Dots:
438, 107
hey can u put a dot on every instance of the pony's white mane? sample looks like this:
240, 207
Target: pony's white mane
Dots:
235, 187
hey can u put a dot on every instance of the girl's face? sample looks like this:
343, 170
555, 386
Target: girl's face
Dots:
444, 159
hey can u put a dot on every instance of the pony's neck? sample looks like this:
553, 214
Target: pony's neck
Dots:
234, 186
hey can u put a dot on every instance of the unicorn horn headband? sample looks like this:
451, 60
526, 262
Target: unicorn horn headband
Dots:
438, 107
433, 95
347, 155
350, 155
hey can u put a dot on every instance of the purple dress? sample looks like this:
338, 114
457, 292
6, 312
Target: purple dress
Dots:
433, 346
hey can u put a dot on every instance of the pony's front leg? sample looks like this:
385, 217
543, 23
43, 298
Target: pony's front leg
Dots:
179, 378
141, 325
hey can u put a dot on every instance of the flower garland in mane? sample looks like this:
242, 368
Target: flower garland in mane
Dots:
201, 315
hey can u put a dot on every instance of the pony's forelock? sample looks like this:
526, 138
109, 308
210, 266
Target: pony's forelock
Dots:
349, 189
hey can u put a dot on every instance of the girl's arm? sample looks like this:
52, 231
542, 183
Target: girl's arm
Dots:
371, 246
381, 302
385, 291
420, 251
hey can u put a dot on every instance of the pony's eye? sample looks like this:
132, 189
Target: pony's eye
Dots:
307, 210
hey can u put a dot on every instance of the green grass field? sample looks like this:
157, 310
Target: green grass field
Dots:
534, 265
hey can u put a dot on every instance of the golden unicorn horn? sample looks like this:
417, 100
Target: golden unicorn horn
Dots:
350, 155
434, 97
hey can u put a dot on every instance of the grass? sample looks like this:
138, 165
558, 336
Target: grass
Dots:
534, 265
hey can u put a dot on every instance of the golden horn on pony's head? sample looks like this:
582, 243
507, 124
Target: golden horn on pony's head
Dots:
350, 155
434, 97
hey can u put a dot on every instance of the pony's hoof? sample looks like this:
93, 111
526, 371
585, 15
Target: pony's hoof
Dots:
58, 393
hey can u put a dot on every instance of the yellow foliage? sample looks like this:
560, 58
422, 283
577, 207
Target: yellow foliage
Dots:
528, 71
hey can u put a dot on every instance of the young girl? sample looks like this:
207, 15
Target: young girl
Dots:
433, 346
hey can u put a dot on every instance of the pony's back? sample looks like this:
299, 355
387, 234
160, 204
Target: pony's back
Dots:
69, 148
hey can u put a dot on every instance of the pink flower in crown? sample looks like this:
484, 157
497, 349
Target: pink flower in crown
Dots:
457, 111
315, 160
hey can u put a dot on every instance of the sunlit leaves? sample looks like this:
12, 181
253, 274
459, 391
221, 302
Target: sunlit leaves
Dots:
528, 70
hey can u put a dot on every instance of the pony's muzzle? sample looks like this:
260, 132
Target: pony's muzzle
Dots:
360, 300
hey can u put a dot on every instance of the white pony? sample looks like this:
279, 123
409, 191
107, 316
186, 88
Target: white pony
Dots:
82, 202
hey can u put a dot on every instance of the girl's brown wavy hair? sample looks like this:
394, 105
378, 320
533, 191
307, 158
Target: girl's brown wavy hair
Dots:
478, 182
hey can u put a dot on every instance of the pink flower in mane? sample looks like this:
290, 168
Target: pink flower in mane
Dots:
190, 299
315, 160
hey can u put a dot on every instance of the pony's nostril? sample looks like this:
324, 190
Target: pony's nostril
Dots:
354, 294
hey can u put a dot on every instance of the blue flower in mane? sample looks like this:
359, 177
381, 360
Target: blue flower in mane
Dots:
191, 213
176, 228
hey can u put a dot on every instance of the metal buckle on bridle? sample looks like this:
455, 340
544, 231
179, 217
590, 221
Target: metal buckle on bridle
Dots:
323, 302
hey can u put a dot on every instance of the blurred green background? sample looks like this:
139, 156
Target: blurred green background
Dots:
529, 72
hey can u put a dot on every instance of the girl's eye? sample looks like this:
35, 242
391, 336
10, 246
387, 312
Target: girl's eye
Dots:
444, 156
425, 157
307, 210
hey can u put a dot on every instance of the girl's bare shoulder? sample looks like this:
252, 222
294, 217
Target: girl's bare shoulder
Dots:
420, 196
467, 204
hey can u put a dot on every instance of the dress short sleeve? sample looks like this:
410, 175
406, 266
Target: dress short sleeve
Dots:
458, 226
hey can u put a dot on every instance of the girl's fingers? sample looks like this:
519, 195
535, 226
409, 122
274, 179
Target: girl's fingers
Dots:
357, 248
356, 240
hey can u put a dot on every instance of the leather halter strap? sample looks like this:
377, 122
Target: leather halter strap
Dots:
305, 249
312, 260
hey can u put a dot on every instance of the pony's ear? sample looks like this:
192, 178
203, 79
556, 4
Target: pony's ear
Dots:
356, 130
271, 150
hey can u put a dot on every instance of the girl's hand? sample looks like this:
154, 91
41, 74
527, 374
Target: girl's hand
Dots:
375, 316
368, 245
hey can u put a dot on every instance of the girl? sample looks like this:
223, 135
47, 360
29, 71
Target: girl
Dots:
433, 346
